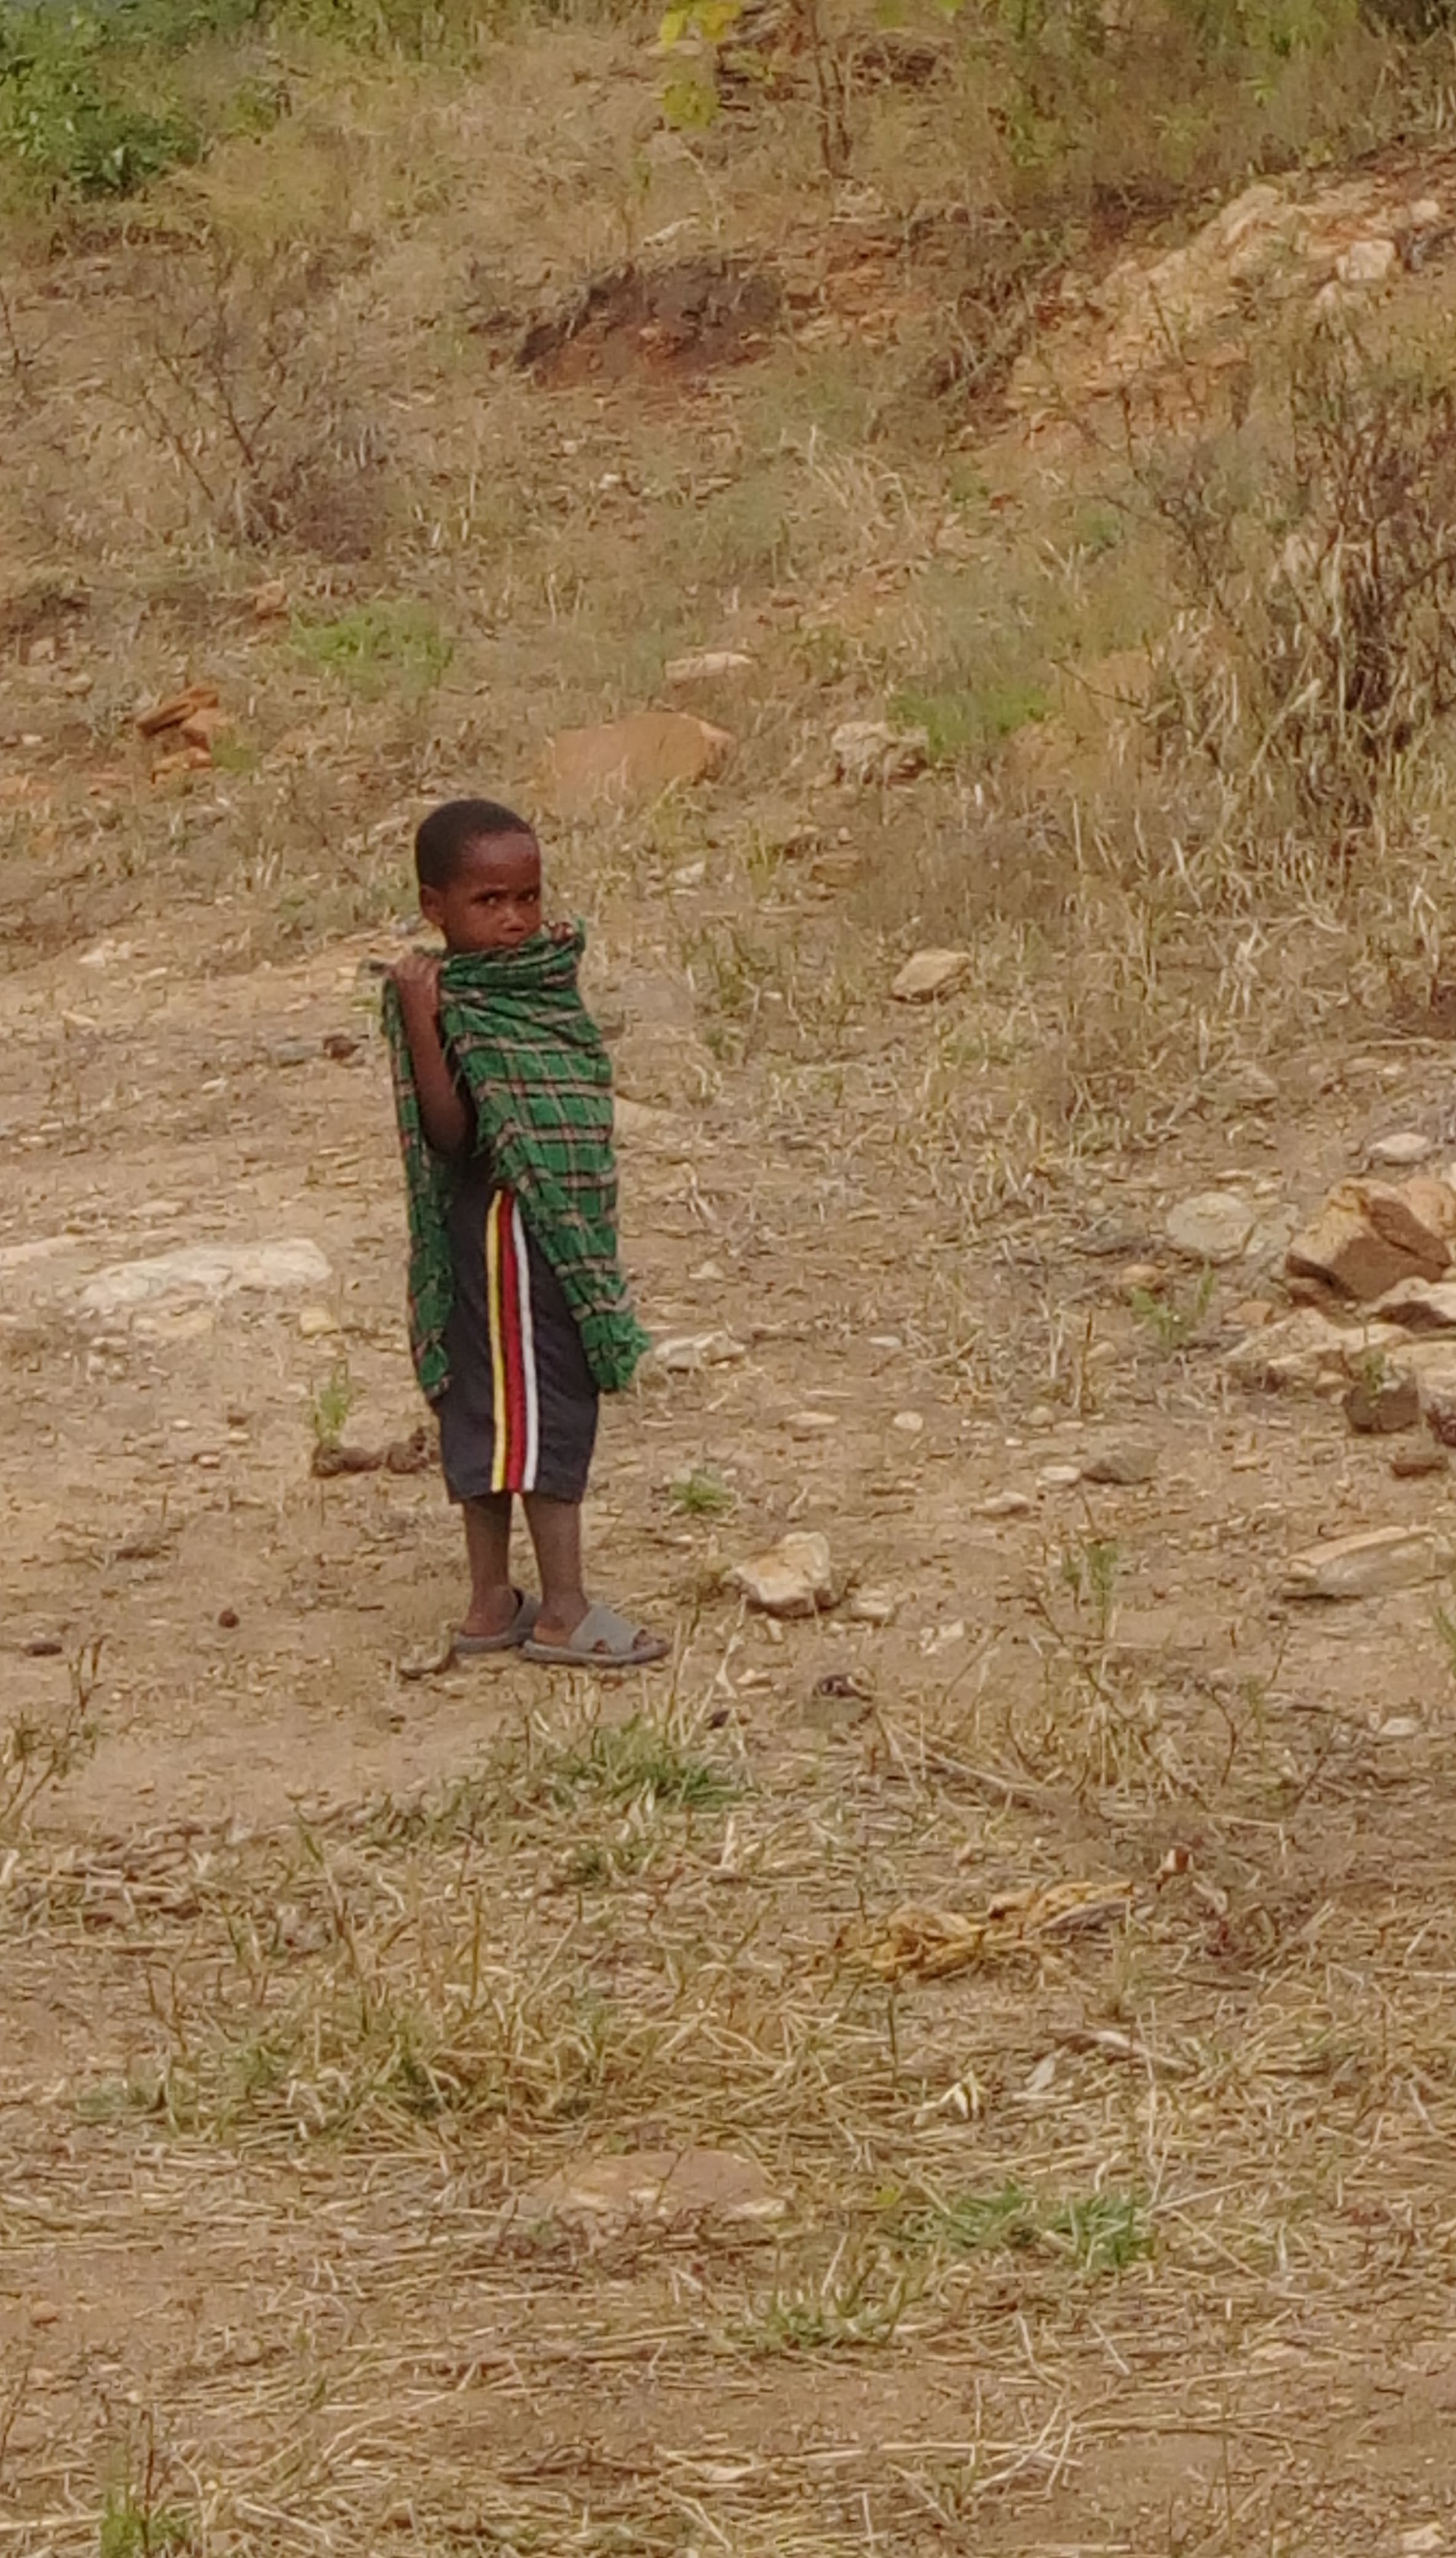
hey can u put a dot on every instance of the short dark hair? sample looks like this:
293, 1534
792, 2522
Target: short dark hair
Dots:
441, 842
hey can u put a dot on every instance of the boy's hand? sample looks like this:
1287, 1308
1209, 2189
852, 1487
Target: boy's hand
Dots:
417, 978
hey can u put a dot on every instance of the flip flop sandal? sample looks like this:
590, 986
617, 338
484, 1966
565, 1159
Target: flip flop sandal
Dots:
602, 1642
470, 1647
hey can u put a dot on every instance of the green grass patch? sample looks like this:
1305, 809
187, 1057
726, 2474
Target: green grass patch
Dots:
1101, 2234
387, 647
623, 1761
702, 1495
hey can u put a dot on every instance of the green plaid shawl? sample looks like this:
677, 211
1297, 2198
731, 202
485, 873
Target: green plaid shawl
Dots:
531, 1059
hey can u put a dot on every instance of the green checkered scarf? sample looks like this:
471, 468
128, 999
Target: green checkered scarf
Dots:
531, 1062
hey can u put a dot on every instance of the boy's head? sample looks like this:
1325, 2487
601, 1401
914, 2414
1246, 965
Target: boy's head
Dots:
479, 868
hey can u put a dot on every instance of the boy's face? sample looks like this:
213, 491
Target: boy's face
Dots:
494, 901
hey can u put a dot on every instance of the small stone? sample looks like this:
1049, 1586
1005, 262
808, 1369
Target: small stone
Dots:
1382, 1408
1366, 261
1252, 1313
43, 1647
1122, 1461
1367, 1565
1006, 1504
1422, 2539
1141, 1279
1409, 1463
810, 1425
790, 1579
227, 1618
1306, 1353
864, 753
1041, 1417
1403, 1148
292, 1052
342, 1046
1059, 1479
685, 1353
700, 665
429, 1662
929, 973
873, 1607
315, 1321
1419, 1305
1400, 1727
45, 2314
910, 1423
1213, 1227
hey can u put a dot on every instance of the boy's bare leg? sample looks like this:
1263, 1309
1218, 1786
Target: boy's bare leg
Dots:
555, 1533
492, 1601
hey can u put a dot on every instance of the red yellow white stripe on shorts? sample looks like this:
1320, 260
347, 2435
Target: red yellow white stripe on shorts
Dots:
513, 1349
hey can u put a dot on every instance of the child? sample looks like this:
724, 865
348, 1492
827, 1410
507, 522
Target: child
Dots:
520, 1314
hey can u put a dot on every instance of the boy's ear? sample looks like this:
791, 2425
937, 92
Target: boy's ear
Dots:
432, 905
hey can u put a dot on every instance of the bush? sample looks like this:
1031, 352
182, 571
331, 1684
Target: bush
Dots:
71, 112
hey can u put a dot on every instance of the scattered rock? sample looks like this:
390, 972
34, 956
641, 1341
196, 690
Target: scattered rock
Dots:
1214, 1226
292, 1052
810, 1425
227, 1619
269, 600
1122, 1461
910, 1423
43, 1647
873, 1607
1307, 1353
929, 973
863, 752
45, 2314
1004, 1505
700, 665
177, 708
630, 760
792, 1579
1366, 261
338, 1457
1419, 1305
1385, 1407
430, 1662
1367, 1565
1251, 1313
207, 1270
1369, 1237
342, 1046
1059, 1479
1409, 1463
1403, 1148
683, 1354
317, 1322
414, 1455
659, 2186
1432, 1366
1141, 1279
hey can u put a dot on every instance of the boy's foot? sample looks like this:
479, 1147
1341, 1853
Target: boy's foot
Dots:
602, 1641
499, 1624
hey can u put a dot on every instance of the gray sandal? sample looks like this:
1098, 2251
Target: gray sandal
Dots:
468, 1648
602, 1642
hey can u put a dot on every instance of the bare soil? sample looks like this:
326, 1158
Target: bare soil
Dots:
1135, 2235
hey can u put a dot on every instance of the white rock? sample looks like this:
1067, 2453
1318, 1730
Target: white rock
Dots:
873, 1607
207, 1270
1214, 1226
1059, 1479
1402, 1727
1421, 2541
1004, 1505
911, 1423
808, 1425
683, 1354
793, 1578
1403, 1148
928, 973
1368, 1564
655, 2185
314, 1322
1366, 262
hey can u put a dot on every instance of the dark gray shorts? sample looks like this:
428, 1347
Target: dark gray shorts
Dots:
520, 1414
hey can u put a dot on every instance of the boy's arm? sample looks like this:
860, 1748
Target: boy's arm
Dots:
443, 1114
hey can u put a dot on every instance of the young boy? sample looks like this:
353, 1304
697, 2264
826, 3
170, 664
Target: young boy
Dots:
520, 1314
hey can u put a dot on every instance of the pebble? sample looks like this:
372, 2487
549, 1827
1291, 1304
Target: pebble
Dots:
43, 1647
911, 1423
1214, 1226
805, 1425
1403, 1147
873, 1607
1367, 1565
793, 1578
1041, 1417
685, 1352
1409, 1463
1004, 1505
314, 1322
1122, 1461
293, 1052
1402, 1727
928, 973
45, 2314
1059, 1479
1382, 1409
